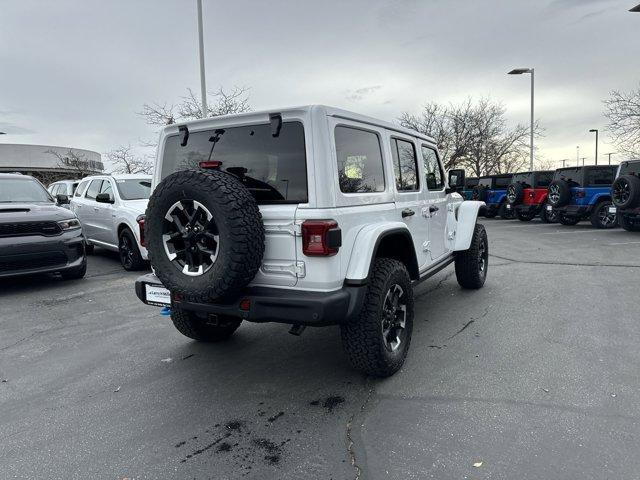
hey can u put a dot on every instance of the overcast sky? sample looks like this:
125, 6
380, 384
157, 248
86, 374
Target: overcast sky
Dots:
75, 72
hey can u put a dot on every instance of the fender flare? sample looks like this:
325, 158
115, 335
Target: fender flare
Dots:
365, 247
467, 215
599, 196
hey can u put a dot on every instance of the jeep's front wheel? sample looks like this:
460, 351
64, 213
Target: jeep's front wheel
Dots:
472, 264
378, 340
204, 329
548, 216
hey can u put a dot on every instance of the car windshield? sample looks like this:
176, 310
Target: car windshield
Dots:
273, 168
573, 176
630, 168
18, 190
134, 188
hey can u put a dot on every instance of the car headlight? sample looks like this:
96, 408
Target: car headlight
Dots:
70, 224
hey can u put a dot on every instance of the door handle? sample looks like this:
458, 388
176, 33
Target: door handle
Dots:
433, 208
407, 212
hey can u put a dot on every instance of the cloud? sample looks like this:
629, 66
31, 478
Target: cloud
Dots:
360, 93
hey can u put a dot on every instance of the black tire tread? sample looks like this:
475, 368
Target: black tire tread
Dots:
593, 218
138, 262
466, 262
362, 337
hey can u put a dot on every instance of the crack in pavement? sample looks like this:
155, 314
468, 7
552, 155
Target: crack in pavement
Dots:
439, 284
462, 329
571, 264
350, 442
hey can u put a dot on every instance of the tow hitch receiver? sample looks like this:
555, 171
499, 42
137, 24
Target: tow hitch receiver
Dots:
297, 329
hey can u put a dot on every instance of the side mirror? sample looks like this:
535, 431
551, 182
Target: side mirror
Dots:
456, 180
62, 199
104, 198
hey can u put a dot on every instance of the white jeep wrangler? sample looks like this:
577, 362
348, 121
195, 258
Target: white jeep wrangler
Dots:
306, 216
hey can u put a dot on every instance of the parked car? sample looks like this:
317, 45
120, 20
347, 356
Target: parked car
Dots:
63, 187
308, 216
36, 234
527, 195
469, 184
111, 210
492, 189
581, 193
625, 193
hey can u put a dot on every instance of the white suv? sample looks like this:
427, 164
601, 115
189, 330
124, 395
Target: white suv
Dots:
306, 216
111, 209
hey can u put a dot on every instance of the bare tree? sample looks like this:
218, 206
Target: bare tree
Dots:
622, 109
125, 161
221, 102
473, 135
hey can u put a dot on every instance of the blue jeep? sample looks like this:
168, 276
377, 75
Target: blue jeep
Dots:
492, 190
581, 193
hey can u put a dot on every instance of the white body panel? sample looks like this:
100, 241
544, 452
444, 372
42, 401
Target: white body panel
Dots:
101, 222
362, 217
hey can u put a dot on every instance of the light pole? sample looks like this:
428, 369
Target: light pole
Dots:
609, 155
563, 161
583, 159
520, 71
203, 83
578, 156
596, 132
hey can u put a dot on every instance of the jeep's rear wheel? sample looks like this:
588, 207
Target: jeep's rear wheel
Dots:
378, 340
566, 220
504, 212
203, 328
628, 224
548, 216
601, 217
472, 264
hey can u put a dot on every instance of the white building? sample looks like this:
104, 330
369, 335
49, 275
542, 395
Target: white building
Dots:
49, 163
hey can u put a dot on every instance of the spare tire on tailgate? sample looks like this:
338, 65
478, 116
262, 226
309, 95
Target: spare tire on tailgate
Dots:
626, 191
559, 193
515, 193
204, 234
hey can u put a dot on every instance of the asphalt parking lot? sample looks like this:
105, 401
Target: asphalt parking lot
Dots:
534, 376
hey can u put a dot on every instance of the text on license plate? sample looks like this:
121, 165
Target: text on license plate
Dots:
612, 209
157, 295
549, 208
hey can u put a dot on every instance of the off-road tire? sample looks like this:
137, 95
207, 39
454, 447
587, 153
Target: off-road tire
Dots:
564, 191
631, 184
468, 271
128, 251
624, 222
193, 326
239, 223
76, 273
525, 217
545, 217
362, 337
518, 193
504, 213
569, 221
595, 220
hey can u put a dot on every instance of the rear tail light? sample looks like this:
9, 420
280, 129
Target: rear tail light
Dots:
321, 238
210, 164
140, 221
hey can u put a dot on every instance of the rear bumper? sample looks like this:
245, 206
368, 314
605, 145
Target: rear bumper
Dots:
574, 210
275, 304
629, 212
532, 209
37, 254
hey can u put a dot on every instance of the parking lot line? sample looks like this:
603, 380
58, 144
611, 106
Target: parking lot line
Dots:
576, 231
622, 243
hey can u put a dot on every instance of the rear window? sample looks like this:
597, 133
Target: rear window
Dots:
526, 179
630, 168
599, 177
359, 158
274, 169
571, 175
134, 188
502, 182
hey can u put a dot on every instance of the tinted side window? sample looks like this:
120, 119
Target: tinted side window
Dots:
502, 182
432, 171
599, 177
94, 189
359, 160
405, 167
81, 188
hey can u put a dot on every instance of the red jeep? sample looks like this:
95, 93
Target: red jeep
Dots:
527, 196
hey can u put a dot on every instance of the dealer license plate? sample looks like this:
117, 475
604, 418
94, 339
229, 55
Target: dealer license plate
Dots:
612, 209
158, 296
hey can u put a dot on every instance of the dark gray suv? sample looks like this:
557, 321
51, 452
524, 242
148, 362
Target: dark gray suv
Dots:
36, 234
